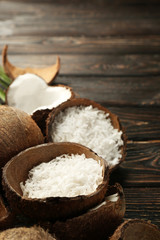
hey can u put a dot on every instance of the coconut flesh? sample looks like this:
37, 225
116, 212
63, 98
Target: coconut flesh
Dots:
30, 93
65, 176
91, 127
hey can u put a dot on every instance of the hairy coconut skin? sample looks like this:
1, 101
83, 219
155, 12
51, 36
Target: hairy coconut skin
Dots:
24, 233
136, 229
18, 132
51, 208
96, 224
86, 102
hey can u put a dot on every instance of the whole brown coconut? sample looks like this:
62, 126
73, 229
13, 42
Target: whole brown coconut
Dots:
18, 131
136, 229
24, 233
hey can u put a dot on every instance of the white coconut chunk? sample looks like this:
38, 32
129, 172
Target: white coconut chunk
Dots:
30, 93
98, 206
91, 127
111, 198
64, 176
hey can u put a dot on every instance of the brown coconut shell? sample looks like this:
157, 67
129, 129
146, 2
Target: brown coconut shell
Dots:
51, 208
26, 233
47, 73
136, 229
18, 132
96, 223
40, 117
6, 216
86, 102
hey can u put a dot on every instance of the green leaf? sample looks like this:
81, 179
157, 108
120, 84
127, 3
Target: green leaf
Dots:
4, 77
2, 83
2, 95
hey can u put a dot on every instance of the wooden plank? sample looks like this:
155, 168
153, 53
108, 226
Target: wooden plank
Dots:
83, 9
115, 90
143, 203
81, 45
95, 2
141, 167
141, 124
106, 65
20, 18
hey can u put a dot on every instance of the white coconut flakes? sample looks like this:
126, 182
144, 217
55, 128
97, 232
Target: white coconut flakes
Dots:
64, 176
91, 127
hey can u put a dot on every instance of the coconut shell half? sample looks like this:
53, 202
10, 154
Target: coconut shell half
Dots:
136, 229
47, 73
18, 132
86, 102
6, 216
97, 223
51, 208
26, 233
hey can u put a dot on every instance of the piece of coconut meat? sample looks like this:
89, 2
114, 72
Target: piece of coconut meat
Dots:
30, 93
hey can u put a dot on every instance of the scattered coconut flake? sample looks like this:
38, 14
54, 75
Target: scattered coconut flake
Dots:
30, 93
98, 206
113, 197
64, 176
91, 127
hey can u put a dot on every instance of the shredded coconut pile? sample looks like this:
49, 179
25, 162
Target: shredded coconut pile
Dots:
64, 176
91, 127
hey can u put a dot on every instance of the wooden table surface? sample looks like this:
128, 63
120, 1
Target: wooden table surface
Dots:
110, 53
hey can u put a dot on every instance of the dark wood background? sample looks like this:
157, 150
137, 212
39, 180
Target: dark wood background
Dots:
110, 53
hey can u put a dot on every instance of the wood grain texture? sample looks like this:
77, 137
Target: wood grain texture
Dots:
101, 3
143, 203
141, 167
54, 19
106, 65
140, 123
82, 45
122, 91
